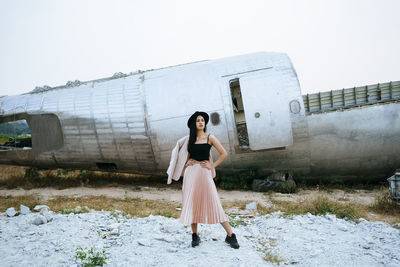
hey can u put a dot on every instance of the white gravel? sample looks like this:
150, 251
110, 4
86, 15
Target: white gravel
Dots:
305, 240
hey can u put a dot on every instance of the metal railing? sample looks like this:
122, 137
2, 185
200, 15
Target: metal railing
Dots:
352, 97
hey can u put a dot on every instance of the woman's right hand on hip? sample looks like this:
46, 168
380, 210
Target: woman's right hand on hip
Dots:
190, 162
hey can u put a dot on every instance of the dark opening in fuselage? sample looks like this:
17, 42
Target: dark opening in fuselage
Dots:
238, 111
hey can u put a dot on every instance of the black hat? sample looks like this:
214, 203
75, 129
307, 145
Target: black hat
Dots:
194, 117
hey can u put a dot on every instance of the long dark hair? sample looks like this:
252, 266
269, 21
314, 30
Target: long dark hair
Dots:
193, 133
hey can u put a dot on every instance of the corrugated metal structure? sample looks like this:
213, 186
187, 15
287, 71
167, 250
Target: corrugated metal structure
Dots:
352, 97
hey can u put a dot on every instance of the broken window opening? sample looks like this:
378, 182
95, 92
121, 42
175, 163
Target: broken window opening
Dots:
15, 135
238, 111
44, 134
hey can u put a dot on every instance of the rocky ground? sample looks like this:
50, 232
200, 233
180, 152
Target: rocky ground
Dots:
42, 237
45, 238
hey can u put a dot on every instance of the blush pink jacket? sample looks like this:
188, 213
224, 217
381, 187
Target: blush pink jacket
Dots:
179, 156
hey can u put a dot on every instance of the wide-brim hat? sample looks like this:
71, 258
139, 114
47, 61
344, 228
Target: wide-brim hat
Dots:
194, 117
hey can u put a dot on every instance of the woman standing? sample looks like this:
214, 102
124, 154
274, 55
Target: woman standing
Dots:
200, 200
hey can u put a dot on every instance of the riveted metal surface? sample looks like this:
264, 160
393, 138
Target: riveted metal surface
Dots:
132, 122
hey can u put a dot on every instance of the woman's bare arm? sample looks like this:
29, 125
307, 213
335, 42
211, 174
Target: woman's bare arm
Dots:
188, 157
215, 142
187, 162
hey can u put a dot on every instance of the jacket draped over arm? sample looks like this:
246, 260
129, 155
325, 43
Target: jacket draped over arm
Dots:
179, 156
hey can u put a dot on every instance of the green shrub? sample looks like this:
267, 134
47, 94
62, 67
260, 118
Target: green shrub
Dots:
288, 187
91, 258
237, 180
235, 221
32, 175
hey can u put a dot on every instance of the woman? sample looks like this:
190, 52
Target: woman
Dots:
200, 200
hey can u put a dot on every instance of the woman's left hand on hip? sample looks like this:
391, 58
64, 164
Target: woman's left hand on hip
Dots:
206, 164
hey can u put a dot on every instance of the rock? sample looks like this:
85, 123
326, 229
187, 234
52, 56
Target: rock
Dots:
251, 206
164, 238
114, 226
144, 242
10, 212
79, 209
280, 182
39, 219
119, 212
396, 225
40, 207
172, 228
24, 210
115, 231
343, 228
46, 213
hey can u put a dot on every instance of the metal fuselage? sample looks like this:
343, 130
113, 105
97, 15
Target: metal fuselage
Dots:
131, 123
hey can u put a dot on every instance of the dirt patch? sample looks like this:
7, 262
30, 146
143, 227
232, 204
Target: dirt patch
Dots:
144, 192
361, 199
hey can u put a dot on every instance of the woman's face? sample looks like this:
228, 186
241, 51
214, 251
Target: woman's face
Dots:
200, 122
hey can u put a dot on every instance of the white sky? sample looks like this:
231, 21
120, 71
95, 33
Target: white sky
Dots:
332, 44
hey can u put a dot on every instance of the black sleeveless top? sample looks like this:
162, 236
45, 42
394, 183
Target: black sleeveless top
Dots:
200, 151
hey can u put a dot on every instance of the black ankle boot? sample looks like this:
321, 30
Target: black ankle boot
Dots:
231, 240
195, 239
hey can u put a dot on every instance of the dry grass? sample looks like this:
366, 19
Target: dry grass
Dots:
9, 171
384, 209
133, 206
28, 178
384, 204
349, 186
266, 250
234, 204
9, 201
319, 205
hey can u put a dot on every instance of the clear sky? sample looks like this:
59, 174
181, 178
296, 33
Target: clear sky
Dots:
332, 44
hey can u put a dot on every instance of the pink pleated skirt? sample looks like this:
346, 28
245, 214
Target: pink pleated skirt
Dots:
200, 200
